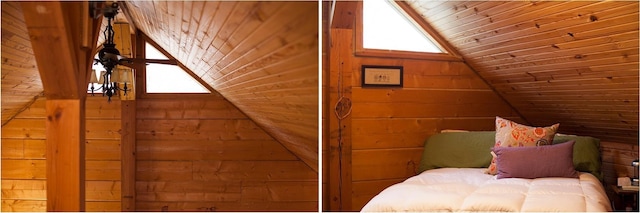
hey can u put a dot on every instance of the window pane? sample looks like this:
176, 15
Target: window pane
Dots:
384, 27
163, 78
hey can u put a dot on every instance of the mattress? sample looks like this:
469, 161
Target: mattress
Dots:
470, 189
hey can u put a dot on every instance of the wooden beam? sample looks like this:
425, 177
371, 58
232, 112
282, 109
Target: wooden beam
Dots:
128, 156
52, 41
140, 71
343, 16
63, 37
65, 155
340, 66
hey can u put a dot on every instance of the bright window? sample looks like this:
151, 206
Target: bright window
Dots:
386, 28
163, 78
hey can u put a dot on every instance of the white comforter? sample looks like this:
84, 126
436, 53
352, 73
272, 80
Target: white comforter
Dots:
469, 189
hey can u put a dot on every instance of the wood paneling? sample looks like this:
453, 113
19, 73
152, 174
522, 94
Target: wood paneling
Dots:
219, 160
570, 62
24, 160
616, 162
261, 56
20, 77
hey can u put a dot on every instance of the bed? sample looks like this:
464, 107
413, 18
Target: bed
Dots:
452, 177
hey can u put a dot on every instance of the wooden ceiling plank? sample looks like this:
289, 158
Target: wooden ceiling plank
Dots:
184, 29
202, 22
502, 25
579, 82
233, 23
445, 10
219, 19
607, 70
526, 39
240, 46
174, 8
272, 45
192, 28
564, 63
245, 52
574, 48
293, 71
477, 15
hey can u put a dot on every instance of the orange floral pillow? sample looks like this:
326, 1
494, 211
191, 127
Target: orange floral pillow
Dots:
512, 134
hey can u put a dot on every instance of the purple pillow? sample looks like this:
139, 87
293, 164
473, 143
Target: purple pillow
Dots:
536, 162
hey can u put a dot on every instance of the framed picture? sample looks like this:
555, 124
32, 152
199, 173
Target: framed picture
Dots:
381, 76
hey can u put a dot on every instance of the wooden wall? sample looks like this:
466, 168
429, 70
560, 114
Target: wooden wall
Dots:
24, 160
616, 160
193, 154
203, 154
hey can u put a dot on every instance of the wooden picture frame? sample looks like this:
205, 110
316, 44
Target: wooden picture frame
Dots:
382, 76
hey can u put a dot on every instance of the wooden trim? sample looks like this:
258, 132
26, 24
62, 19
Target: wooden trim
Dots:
359, 50
139, 50
128, 155
404, 54
65, 141
179, 95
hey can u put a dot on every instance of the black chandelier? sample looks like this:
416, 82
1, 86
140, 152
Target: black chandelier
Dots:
109, 57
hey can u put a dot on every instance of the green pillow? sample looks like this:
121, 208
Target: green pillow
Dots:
458, 150
473, 150
586, 153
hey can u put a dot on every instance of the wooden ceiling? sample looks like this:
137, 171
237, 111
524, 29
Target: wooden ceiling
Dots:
575, 63
20, 77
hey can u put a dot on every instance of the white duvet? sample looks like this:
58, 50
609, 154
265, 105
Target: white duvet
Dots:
469, 189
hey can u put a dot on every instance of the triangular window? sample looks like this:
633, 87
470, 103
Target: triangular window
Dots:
164, 78
385, 27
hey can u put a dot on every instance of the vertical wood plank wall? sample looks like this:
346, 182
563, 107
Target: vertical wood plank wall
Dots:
616, 160
389, 125
203, 154
23, 158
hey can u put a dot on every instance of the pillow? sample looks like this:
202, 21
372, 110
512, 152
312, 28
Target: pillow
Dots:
512, 134
586, 153
536, 162
457, 150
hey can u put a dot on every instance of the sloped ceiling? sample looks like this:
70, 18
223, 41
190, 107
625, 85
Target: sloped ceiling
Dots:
20, 78
575, 63
262, 56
